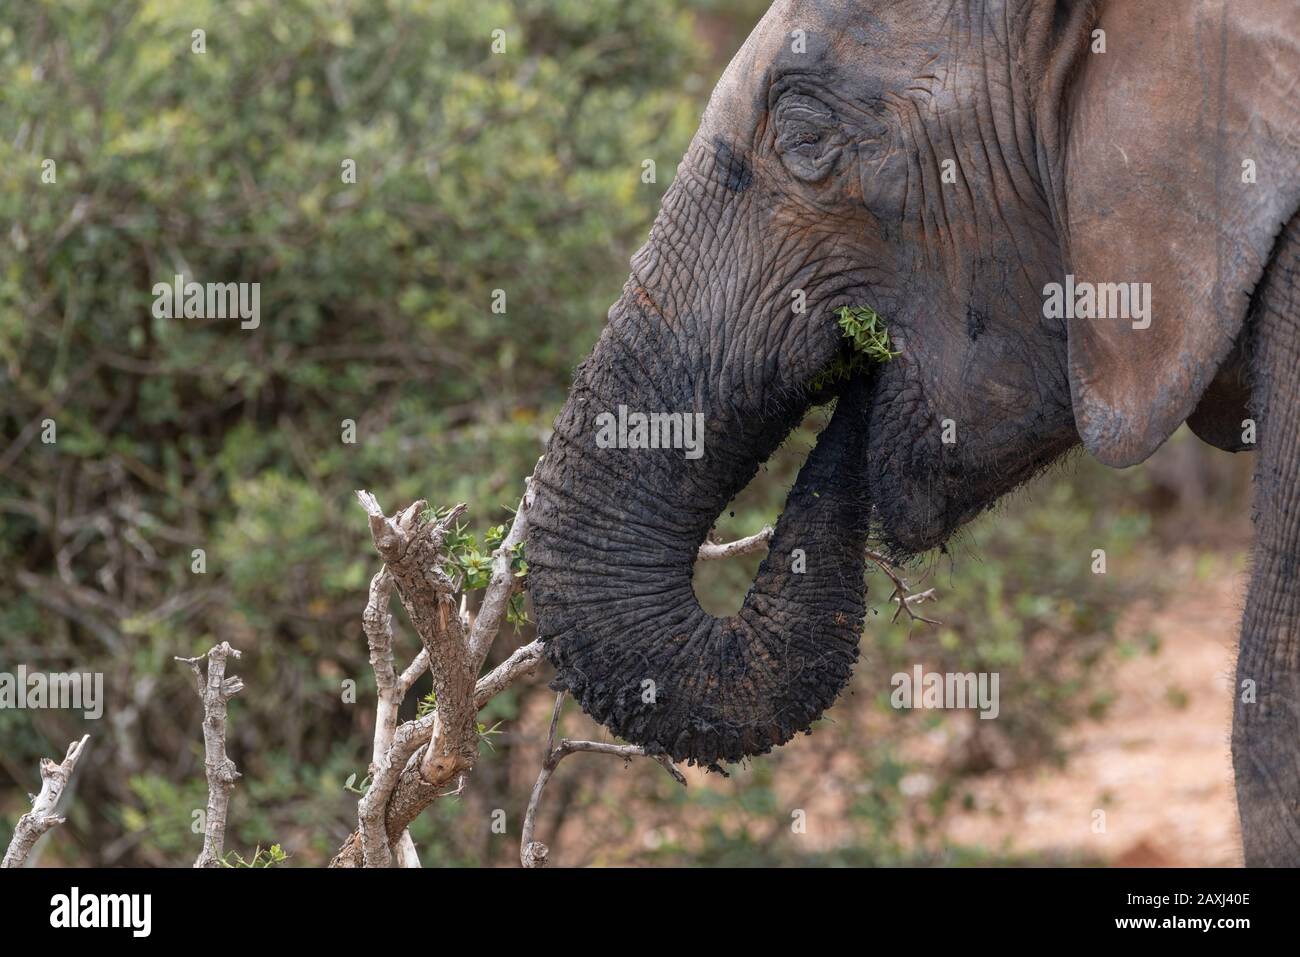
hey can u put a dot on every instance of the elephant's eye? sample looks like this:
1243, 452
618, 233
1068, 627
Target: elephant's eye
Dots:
801, 140
807, 138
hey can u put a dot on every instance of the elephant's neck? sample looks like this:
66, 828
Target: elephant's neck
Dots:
1274, 603
1266, 725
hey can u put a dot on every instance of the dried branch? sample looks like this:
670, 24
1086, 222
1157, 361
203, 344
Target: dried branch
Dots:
411, 546
378, 626
902, 591
398, 793
502, 585
425, 754
407, 856
371, 844
41, 818
413, 671
533, 854
522, 662
215, 690
712, 551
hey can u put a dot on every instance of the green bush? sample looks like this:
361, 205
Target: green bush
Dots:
475, 171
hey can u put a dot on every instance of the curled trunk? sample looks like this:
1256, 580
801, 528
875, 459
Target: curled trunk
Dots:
614, 534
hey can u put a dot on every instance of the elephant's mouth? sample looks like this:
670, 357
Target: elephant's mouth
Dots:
612, 550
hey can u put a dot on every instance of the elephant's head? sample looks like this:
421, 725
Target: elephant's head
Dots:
907, 156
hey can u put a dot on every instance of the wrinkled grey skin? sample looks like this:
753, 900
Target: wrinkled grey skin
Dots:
819, 172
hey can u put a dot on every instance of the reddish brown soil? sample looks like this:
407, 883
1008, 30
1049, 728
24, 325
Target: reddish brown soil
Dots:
1157, 764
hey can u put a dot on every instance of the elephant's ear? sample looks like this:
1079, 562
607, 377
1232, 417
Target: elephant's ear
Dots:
1166, 160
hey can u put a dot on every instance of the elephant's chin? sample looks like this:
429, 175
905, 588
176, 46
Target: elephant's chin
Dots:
616, 606
920, 500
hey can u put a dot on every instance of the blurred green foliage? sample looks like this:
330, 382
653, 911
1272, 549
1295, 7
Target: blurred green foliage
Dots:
476, 171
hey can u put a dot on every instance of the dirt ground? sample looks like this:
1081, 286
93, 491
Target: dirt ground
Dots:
1157, 764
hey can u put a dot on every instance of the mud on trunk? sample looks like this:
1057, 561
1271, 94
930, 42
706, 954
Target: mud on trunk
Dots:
612, 548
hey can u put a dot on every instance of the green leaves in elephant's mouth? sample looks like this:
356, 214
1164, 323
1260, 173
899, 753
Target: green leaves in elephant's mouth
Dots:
866, 340
866, 331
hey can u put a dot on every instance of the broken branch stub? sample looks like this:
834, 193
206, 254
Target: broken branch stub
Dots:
411, 545
215, 691
41, 818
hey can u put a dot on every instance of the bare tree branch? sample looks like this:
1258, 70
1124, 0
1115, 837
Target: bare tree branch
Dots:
373, 838
413, 671
902, 591
503, 584
378, 626
411, 546
41, 818
533, 854
712, 551
425, 754
215, 691
522, 662
407, 856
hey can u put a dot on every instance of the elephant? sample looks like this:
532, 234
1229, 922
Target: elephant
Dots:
956, 166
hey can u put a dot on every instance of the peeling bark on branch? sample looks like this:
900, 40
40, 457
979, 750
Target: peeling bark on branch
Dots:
392, 688
41, 818
426, 754
411, 547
